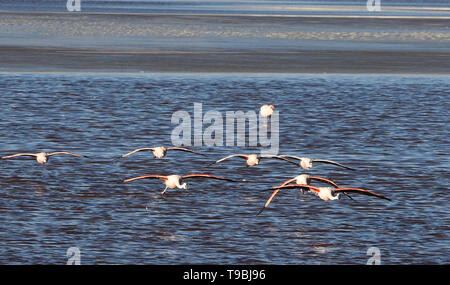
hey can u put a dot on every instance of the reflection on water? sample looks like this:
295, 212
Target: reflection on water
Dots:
393, 129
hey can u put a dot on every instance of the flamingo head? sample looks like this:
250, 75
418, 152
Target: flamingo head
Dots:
272, 107
333, 195
184, 186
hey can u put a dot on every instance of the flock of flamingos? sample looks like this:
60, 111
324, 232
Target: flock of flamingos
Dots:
302, 181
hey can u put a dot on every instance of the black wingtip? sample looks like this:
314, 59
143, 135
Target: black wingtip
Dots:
261, 210
347, 167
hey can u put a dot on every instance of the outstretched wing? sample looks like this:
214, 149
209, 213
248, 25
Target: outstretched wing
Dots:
332, 162
206, 176
136, 150
268, 201
146, 176
19, 154
283, 186
65, 152
273, 195
277, 157
360, 191
184, 149
318, 178
291, 156
230, 156
288, 181
291, 186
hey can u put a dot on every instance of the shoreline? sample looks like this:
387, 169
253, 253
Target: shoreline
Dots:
164, 43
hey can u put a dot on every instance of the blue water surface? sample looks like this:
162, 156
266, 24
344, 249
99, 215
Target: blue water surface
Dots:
393, 129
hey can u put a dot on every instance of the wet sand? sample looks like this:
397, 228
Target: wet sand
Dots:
102, 42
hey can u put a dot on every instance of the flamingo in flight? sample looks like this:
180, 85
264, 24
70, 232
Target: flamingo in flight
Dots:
266, 111
307, 163
42, 157
253, 159
327, 193
303, 179
176, 181
160, 151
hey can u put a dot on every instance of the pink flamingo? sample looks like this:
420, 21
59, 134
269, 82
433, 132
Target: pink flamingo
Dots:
327, 193
253, 159
160, 151
266, 111
176, 181
42, 157
303, 179
307, 163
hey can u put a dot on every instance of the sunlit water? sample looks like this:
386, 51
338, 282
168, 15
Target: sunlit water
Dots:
393, 129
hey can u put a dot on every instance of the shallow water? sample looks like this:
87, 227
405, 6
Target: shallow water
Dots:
393, 129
